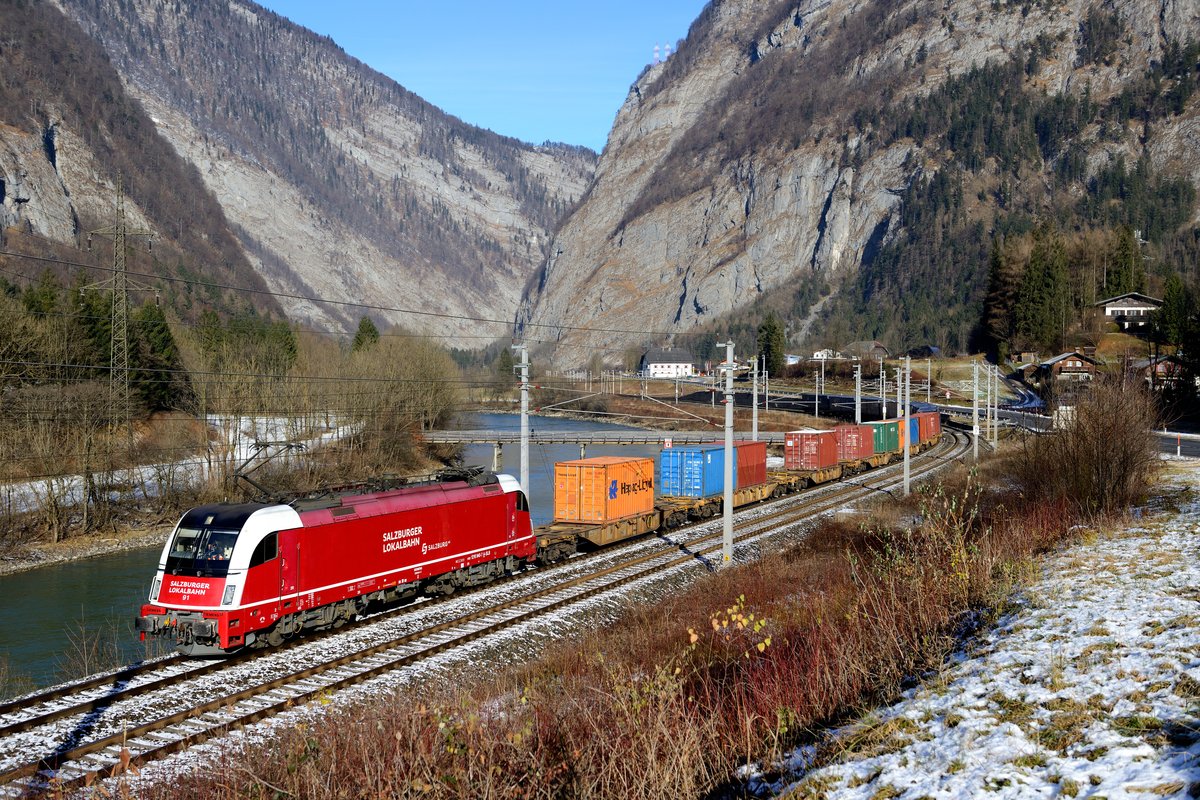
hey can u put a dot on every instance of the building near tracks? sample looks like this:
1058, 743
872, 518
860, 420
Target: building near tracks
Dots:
667, 364
1072, 366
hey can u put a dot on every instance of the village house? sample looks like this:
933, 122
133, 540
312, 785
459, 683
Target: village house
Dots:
1130, 311
1158, 372
1073, 366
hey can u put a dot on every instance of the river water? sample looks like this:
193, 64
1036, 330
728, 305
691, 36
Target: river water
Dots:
52, 618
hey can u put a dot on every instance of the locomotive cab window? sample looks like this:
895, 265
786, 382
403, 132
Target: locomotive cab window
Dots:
522, 502
201, 552
267, 549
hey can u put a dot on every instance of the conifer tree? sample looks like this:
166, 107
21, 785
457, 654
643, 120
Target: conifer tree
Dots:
1125, 273
1171, 320
157, 373
1041, 308
366, 335
771, 344
1004, 278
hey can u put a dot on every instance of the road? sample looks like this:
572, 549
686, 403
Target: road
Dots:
842, 407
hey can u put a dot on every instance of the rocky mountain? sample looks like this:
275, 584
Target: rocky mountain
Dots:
341, 184
69, 134
851, 162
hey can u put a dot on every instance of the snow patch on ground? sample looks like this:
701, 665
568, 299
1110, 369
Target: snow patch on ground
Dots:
1090, 688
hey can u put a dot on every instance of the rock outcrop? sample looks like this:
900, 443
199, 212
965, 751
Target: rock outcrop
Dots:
744, 213
342, 185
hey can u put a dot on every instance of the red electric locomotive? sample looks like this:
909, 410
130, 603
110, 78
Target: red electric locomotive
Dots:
232, 575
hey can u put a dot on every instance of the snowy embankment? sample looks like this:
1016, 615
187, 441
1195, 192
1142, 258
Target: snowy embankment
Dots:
1089, 687
233, 442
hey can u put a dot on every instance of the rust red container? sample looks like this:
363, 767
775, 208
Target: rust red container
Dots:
930, 423
810, 449
854, 442
751, 463
603, 488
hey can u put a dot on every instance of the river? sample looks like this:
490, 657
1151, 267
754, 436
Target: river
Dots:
53, 617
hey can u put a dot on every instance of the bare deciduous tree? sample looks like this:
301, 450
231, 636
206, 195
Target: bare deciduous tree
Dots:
1104, 460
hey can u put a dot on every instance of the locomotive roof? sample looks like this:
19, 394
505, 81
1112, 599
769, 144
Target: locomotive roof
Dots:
230, 516
422, 495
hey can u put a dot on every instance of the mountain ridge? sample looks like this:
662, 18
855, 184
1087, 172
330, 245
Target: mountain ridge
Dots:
767, 165
353, 188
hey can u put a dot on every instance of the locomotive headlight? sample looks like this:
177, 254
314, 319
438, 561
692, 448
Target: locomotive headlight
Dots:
154, 591
229, 592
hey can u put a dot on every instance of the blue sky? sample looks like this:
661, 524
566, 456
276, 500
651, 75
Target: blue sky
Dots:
536, 70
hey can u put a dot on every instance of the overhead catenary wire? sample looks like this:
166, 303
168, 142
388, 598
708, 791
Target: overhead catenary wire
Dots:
328, 301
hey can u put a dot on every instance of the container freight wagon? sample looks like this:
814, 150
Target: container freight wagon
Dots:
810, 450
855, 445
887, 437
603, 489
912, 437
930, 423
752, 483
600, 501
751, 464
231, 575
693, 471
809, 457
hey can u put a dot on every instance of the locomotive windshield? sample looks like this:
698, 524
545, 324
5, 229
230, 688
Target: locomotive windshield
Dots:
201, 552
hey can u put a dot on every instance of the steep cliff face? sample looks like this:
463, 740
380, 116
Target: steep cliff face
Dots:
68, 135
756, 160
342, 185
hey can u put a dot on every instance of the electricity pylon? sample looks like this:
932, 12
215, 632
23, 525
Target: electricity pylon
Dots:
118, 396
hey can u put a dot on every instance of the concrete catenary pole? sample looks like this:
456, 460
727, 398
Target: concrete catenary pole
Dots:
996, 407
523, 366
727, 539
817, 394
907, 426
899, 389
754, 397
883, 389
858, 394
987, 403
975, 411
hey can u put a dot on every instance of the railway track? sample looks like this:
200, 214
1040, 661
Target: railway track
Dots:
139, 716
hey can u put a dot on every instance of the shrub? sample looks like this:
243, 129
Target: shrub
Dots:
1104, 460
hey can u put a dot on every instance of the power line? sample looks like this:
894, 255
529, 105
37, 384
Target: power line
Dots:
343, 303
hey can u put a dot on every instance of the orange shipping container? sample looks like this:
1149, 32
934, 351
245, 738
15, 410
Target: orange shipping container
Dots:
603, 489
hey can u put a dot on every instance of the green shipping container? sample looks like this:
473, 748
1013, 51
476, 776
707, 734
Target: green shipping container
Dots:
887, 435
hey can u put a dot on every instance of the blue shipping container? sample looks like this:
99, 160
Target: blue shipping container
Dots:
914, 431
693, 471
